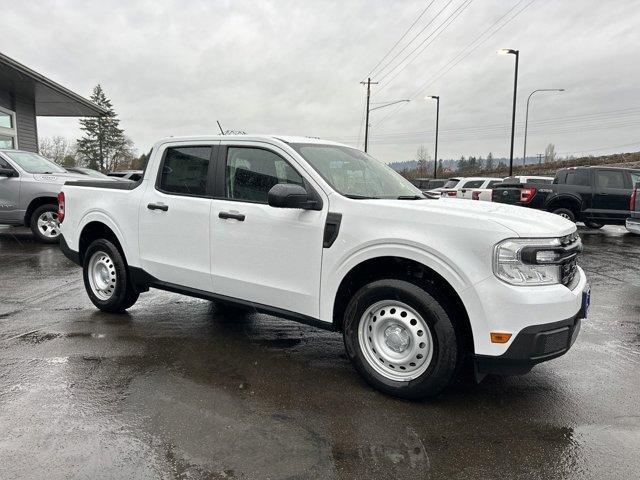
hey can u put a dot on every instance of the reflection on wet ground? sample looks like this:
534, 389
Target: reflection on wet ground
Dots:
178, 389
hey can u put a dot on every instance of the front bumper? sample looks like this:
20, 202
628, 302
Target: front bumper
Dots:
534, 344
633, 225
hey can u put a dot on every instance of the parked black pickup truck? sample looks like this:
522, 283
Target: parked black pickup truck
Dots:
596, 196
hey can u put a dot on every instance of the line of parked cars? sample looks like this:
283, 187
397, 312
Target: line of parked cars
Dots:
596, 196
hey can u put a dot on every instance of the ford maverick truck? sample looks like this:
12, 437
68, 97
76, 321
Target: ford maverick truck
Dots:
321, 233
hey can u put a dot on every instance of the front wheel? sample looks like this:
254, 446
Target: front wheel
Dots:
401, 339
106, 279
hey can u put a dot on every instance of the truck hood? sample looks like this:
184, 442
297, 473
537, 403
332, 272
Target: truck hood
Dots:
524, 222
59, 178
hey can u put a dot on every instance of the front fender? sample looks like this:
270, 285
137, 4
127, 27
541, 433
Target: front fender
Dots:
333, 277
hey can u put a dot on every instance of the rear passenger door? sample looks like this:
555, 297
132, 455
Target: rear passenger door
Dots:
261, 254
174, 216
612, 193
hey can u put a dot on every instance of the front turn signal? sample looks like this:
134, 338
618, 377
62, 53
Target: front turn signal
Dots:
500, 337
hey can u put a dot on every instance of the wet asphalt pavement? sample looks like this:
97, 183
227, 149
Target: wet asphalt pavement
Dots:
177, 389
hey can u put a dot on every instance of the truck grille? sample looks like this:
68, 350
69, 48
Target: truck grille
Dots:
569, 268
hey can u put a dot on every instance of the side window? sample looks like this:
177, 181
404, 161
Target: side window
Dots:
493, 182
251, 172
610, 179
184, 170
635, 178
577, 177
5, 164
473, 184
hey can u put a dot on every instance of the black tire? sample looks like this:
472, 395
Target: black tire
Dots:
122, 294
566, 213
446, 352
594, 224
33, 223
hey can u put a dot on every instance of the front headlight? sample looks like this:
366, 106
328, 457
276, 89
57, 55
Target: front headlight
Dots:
527, 261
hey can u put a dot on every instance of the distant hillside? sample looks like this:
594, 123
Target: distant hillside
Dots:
628, 160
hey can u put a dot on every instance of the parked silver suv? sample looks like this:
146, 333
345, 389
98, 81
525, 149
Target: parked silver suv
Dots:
29, 186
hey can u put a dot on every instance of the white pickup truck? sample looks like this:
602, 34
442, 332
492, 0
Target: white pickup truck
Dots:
324, 234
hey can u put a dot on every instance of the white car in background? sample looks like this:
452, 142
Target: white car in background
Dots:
462, 187
485, 193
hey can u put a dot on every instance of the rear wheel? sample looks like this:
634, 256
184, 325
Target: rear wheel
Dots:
565, 213
106, 279
44, 223
401, 339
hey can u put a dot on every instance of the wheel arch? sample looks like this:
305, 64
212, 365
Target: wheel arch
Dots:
36, 203
93, 229
571, 202
409, 269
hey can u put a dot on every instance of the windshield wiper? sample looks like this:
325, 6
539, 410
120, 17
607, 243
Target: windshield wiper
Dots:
410, 197
361, 197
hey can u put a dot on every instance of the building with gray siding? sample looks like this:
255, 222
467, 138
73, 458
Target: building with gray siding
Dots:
24, 95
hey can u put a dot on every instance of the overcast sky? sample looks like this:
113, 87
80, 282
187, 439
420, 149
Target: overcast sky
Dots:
294, 67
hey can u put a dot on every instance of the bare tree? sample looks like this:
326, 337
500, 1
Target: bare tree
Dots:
422, 157
550, 153
59, 149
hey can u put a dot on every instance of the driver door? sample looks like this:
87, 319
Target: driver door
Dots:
9, 195
262, 254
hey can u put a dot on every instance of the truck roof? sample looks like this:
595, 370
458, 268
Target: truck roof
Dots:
250, 138
599, 166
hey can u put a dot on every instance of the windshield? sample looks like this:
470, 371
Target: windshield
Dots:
34, 163
355, 174
451, 183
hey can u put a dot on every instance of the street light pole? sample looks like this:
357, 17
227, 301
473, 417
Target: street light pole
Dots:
510, 51
526, 118
435, 162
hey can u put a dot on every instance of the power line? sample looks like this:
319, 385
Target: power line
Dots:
439, 75
457, 60
450, 19
400, 39
414, 38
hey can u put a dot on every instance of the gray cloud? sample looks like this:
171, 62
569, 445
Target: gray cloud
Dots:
293, 67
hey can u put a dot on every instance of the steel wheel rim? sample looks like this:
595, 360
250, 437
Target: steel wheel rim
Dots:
102, 275
564, 215
48, 224
395, 340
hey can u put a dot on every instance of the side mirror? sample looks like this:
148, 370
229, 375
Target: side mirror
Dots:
289, 195
8, 172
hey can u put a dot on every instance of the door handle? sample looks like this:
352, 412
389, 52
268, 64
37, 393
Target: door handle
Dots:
158, 206
235, 216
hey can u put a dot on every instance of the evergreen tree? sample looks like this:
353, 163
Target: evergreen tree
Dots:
462, 165
103, 146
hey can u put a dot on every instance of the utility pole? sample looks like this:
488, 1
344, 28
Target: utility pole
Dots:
539, 159
368, 83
